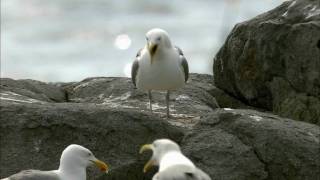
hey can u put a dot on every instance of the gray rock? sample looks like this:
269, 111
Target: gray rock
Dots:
33, 136
227, 101
31, 91
188, 104
246, 144
273, 61
111, 118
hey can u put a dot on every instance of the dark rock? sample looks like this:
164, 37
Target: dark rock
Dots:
31, 90
247, 144
273, 61
188, 104
110, 117
227, 101
34, 135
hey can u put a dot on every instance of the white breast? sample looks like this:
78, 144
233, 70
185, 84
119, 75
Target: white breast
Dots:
174, 158
165, 73
72, 175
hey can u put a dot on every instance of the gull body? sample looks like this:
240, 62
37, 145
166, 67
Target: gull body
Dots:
173, 165
163, 74
174, 158
73, 163
159, 65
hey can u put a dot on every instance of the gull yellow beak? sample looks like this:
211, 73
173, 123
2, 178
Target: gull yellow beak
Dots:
103, 166
152, 48
151, 162
146, 147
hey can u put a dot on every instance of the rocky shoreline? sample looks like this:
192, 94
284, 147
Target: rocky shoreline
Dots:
111, 118
256, 118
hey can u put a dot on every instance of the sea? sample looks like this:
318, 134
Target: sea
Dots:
69, 40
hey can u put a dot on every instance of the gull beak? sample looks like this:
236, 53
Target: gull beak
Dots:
152, 50
100, 164
151, 162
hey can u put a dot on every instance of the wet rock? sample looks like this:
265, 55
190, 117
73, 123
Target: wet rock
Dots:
273, 61
247, 144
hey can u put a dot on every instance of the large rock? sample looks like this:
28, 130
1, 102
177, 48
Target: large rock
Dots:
31, 90
33, 135
107, 115
111, 118
273, 61
187, 105
246, 144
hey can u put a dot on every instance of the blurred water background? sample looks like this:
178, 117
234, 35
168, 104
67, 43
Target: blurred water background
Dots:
69, 40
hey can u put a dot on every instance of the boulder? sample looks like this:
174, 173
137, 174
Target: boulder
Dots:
188, 104
226, 100
31, 90
33, 135
234, 144
273, 61
110, 117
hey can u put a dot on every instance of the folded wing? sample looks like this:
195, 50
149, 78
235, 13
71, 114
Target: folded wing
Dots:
34, 175
183, 63
135, 68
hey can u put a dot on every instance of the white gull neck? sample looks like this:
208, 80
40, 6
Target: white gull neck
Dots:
173, 158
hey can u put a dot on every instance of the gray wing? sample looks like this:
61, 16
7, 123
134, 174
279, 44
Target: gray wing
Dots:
179, 50
181, 172
34, 175
184, 64
135, 68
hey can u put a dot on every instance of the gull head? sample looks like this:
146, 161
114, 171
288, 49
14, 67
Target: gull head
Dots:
159, 148
76, 156
157, 39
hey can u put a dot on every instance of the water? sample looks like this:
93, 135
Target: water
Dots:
69, 40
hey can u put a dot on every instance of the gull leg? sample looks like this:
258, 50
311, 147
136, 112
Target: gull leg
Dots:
167, 101
150, 100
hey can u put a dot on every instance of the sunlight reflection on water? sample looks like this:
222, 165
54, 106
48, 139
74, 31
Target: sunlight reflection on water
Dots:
71, 40
122, 42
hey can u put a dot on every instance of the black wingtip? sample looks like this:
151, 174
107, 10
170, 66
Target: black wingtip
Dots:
189, 174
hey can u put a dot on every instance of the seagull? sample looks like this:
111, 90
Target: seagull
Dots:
159, 66
173, 165
73, 163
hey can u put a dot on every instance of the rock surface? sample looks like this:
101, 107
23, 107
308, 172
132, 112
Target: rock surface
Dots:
273, 61
34, 135
30, 91
111, 118
187, 104
247, 144
107, 115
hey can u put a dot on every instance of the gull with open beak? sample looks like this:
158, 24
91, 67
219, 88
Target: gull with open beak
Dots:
159, 66
173, 165
73, 163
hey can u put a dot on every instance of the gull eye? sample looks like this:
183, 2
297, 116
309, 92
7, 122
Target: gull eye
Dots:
147, 38
159, 38
89, 154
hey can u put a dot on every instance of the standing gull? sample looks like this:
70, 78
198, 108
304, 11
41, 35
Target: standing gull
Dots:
159, 66
73, 163
173, 165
